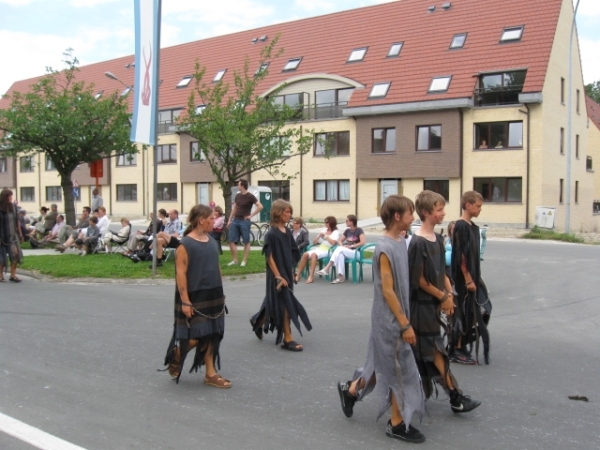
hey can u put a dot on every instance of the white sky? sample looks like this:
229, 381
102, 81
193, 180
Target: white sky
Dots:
34, 33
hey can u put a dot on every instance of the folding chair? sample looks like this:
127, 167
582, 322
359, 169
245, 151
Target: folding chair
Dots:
120, 245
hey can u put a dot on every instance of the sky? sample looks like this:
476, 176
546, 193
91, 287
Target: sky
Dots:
35, 33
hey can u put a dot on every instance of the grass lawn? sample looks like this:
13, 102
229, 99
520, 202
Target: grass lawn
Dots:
538, 233
117, 267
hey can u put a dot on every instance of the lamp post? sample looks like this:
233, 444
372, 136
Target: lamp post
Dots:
569, 124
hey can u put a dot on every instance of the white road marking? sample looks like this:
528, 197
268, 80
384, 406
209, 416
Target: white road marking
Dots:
34, 436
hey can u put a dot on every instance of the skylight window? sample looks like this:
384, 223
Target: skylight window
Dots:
395, 49
125, 91
261, 69
358, 54
184, 81
439, 84
98, 94
380, 89
458, 41
219, 76
292, 64
200, 109
512, 34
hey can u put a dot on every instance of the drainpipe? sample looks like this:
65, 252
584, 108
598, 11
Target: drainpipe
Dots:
460, 157
110, 181
528, 166
301, 174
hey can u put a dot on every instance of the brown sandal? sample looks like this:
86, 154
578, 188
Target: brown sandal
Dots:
217, 381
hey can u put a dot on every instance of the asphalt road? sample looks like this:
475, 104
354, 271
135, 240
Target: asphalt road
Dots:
80, 362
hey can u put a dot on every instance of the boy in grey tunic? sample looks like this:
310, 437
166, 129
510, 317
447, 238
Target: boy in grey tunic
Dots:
390, 362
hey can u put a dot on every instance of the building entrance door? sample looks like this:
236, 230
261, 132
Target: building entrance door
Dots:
388, 187
203, 194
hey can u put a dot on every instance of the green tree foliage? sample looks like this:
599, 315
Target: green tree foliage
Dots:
60, 117
239, 131
592, 90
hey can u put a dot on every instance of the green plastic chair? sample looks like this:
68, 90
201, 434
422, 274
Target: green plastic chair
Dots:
347, 262
322, 262
366, 257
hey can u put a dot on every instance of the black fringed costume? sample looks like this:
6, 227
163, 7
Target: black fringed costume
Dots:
283, 248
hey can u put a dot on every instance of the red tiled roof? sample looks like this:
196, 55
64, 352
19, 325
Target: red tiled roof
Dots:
593, 111
325, 42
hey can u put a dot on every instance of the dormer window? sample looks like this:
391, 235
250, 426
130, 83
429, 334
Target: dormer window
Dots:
219, 76
511, 34
184, 81
439, 84
261, 69
380, 90
292, 64
458, 41
358, 54
98, 94
200, 109
395, 49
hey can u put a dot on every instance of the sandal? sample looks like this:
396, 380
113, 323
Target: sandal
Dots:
217, 381
15, 279
322, 272
337, 281
292, 346
258, 332
174, 364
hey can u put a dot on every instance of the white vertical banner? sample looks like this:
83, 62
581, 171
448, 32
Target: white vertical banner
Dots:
147, 53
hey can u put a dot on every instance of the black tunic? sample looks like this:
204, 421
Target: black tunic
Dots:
282, 246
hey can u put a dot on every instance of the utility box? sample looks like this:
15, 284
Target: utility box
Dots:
545, 216
264, 195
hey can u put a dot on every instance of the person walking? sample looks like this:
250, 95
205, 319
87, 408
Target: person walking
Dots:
239, 221
97, 201
199, 301
10, 236
390, 362
280, 307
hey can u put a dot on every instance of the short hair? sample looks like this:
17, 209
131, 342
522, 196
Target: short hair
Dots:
126, 220
470, 197
88, 209
277, 209
426, 201
94, 219
352, 218
392, 205
43, 208
332, 221
219, 210
61, 216
244, 183
102, 208
54, 205
299, 220
163, 212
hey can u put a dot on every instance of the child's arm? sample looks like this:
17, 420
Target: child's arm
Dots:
445, 298
275, 270
393, 302
466, 275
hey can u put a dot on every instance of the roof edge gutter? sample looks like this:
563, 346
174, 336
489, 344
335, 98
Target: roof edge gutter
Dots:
409, 107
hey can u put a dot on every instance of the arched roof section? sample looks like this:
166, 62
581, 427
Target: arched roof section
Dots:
312, 76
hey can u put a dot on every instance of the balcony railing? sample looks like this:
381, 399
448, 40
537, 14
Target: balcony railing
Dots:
501, 95
324, 111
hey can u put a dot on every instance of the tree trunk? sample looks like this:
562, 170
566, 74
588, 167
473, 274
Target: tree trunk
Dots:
227, 198
67, 187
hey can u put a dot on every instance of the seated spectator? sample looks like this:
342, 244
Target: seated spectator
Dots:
218, 227
88, 243
120, 237
53, 235
300, 234
168, 238
39, 226
82, 224
348, 245
140, 237
50, 219
483, 144
23, 221
325, 240
103, 220
79, 232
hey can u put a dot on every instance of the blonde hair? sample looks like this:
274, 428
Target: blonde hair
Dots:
426, 201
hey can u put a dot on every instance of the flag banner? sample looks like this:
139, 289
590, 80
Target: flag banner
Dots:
145, 88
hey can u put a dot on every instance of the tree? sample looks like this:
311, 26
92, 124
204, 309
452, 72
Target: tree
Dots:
241, 132
60, 117
592, 90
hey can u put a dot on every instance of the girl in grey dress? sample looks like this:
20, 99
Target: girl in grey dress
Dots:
390, 363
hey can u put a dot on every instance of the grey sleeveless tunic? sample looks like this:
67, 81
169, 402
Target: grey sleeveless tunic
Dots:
389, 358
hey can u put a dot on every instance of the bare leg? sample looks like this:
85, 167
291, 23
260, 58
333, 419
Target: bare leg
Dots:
2, 271
287, 329
313, 266
301, 266
246, 251
396, 416
13, 270
234, 253
440, 364
210, 366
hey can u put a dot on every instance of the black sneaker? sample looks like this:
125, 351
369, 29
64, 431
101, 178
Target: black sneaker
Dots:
462, 403
348, 400
461, 357
399, 432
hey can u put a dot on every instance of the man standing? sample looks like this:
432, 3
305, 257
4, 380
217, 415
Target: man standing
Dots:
97, 201
239, 221
466, 273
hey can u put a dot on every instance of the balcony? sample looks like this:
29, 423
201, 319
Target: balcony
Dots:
498, 95
324, 111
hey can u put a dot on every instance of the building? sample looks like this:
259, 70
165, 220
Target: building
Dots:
448, 96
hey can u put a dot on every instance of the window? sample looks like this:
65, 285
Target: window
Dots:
279, 189
196, 154
562, 90
292, 64
219, 75
332, 144
167, 118
499, 190
380, 89
589, 164
26, 164
429, 137
458, 41
166, 192
127, 160
277, 146
166, 154
577, 146
98, 94
562, 141
3, 164
127, 192
200, 109
49, 164
332, 190
561, 190
576, 191
261, 69
125, 91
329, 103
358, 54
27, 194
295, 101
500, 88
53, 194
498, 135
384, 140
577, 101
511, 34
439, 84
184, 81
442, 187
395, 49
